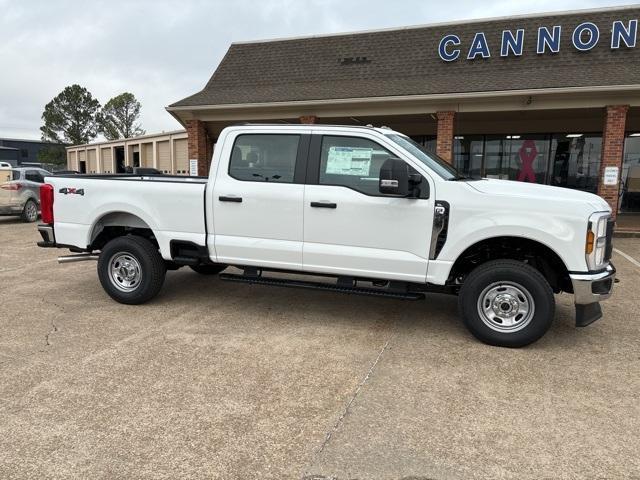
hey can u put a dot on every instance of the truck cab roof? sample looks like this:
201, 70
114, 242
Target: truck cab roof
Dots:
317, 126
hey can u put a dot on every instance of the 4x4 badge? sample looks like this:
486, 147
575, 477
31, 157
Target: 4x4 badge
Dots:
73, 191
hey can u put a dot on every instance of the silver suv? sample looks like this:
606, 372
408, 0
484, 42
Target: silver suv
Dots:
21, 195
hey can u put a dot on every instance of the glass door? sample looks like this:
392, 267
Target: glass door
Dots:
575, 161
630, 188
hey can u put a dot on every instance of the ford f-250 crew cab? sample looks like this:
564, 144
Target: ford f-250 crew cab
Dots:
360, 210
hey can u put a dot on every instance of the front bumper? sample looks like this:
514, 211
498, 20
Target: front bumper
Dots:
588, 290
593, 287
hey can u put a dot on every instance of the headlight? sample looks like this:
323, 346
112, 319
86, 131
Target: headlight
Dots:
597, 240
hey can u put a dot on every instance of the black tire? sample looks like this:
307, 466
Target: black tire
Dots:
29, 212
513, 283
150, 266
208, 269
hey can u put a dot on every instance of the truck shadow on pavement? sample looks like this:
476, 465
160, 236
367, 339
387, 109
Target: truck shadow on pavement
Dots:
437, 314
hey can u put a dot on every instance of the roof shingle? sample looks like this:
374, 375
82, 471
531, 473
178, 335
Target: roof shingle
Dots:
406, 62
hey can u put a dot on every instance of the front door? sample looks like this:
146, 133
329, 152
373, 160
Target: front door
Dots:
257, 202
350, 228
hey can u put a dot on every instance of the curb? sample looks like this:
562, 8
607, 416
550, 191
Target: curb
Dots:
626, 234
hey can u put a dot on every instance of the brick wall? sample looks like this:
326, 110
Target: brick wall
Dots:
615, 119
444, 140
200, 145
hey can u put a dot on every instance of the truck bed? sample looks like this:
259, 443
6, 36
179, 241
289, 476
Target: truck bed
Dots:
171, 206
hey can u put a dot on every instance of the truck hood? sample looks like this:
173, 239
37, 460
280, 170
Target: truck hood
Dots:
512, 188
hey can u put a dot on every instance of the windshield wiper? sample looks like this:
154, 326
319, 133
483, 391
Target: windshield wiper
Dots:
458, 178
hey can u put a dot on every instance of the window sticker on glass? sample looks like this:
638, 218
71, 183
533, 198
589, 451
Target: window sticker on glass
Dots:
349, 161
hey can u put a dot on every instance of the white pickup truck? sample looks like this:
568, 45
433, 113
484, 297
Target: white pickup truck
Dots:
359, 210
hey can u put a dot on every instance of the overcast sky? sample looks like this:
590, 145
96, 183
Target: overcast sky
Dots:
162, 51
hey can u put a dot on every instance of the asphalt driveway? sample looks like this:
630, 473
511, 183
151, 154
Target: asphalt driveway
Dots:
223, 380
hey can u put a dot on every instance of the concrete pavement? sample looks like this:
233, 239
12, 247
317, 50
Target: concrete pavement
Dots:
222, 380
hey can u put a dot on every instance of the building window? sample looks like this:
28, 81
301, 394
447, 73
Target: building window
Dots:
24, 153
427, 141
575, 161
517, 157
468, 153
630, 178
565, 160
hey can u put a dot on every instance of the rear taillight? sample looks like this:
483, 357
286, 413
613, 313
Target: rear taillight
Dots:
46, 203
11, 186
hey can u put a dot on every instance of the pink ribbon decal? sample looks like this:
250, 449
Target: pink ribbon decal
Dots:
528, 153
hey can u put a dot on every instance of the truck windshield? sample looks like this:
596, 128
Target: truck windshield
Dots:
435, 163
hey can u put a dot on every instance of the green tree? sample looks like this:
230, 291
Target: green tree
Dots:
55, 154
119, 117
71, 117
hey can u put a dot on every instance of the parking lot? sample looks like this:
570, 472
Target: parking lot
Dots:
224, 380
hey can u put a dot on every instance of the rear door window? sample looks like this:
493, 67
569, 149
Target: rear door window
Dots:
34, 176
264, 158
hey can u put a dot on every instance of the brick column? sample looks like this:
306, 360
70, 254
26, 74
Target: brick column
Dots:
615, 120
308, 119
444, 139
199, 145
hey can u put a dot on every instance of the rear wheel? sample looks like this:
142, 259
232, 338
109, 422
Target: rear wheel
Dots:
506, 303
131, 269
208, 269
30, 212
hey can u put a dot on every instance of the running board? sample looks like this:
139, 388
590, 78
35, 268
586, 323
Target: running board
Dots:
281, 282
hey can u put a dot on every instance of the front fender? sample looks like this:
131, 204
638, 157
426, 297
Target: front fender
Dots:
563, 235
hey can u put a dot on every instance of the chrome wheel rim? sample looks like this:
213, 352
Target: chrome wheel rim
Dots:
125, 272
32, 211
506, 307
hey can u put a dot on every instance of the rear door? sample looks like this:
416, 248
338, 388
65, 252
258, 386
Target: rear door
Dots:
33, 180
350, 228
257, 199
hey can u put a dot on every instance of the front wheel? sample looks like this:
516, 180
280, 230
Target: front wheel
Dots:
131, 269
506, 303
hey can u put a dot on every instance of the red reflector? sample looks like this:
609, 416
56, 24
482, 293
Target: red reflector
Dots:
46, 203
11, 186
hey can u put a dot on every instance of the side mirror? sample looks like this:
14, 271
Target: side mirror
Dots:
394, 177
417, 187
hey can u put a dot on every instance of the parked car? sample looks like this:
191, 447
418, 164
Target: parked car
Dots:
20, 196
366, 208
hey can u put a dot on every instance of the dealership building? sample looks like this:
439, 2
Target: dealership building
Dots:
551, 98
